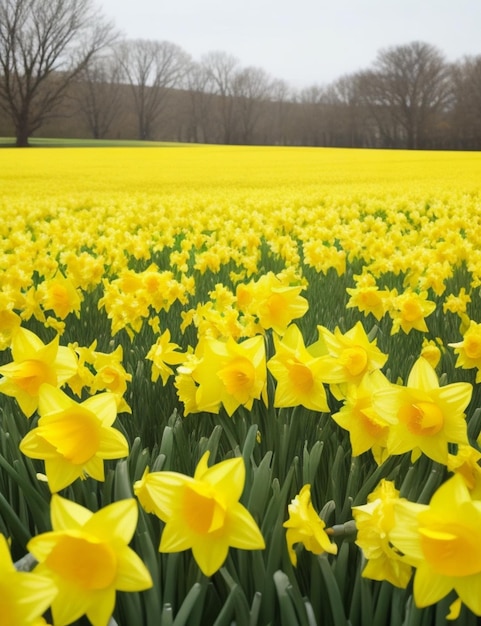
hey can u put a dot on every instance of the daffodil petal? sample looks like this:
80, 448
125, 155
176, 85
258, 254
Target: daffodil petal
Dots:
174, 538
227, 477
104, 406
115, 521
244, 532
428, 587
132, 574
113, 444
26, 344
66, 514
69, 605
101, 608
469, 590
164, 489
60, 473
210, 555
52, 400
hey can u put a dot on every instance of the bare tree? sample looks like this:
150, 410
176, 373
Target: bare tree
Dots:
151, 68
200, 102
409, 84
312, 124
99, 94
251, 88
221, 70
466, 113
44, 45
281, 97
348, 116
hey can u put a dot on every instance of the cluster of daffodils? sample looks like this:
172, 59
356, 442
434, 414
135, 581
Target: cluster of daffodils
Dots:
80, 565
85, 558
437, 545
141, 238
72, 437
440, 541
131, 298
408, 310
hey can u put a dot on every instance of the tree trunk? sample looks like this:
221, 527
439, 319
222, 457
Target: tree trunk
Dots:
22, 135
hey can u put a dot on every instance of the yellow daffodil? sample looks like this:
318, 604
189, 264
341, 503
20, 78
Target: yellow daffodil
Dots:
442, 541
100, 371
74, 438
299, 375
466, 462
274, 303
367, 428
468, 350
61, 296
84, 269
202, 512
163, 354
409, 310
24, 596
186, 385
368, 298
9, 324
229, 373
34, 364
374, 523
457, 304
305, 526
110, 375
86, 556
84, 376
280, 307
424, 416
348, 357
431, 351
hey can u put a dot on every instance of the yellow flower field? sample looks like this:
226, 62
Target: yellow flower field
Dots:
222, 343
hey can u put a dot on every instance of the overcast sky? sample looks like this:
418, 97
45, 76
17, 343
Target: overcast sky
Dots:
304, 42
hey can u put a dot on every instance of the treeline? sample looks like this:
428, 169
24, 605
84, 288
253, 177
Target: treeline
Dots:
410, 97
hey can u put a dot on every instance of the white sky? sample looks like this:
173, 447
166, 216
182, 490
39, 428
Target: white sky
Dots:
304, 42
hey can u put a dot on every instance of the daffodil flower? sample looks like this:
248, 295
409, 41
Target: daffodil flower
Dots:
469, 349
374, 523
273, 302
225, 373
86, 556
61, 296
299, 375
347, 357
409, 310
34, 364
9, 324
306, 527
442, 541
423, 416
202, 512
368, 298
163, 354
367, 428
74, 438
24, 596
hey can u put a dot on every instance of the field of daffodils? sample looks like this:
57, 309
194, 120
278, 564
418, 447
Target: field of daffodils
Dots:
240, 385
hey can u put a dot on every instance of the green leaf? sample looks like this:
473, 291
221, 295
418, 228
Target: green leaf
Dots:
334, 597
190, 612
288, 614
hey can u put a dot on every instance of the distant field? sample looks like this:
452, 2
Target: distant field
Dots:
41, 142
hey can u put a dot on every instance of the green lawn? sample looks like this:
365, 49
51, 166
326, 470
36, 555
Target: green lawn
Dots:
86, 143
